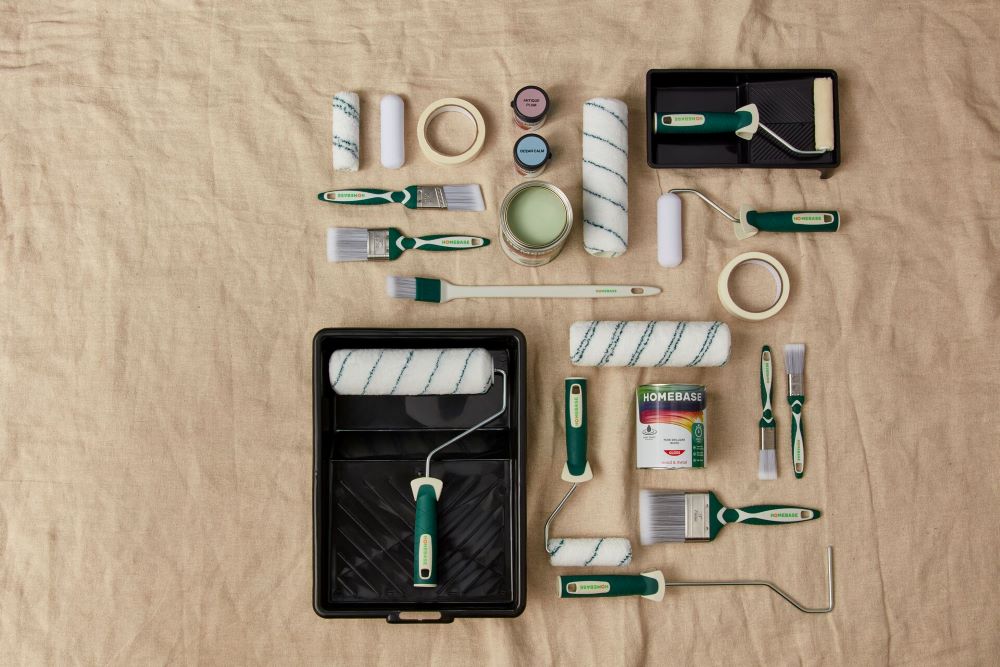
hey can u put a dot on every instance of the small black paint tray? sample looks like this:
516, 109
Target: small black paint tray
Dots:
367, 449
783, 96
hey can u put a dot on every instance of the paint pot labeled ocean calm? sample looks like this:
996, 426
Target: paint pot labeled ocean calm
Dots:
530, 105
535, 221
670, 426
531, 155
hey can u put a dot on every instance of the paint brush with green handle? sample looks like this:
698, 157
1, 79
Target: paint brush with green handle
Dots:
452, 197
795, 366
359, 244
767, 467
677, 516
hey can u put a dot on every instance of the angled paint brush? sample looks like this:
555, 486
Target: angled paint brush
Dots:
677, 516
795, 366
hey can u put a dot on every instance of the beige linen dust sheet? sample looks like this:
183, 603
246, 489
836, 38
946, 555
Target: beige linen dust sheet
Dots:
164, 272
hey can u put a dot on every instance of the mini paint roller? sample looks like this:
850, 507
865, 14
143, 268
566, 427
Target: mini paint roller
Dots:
745, 121
428, 372
750, 221
649, 344
576, 551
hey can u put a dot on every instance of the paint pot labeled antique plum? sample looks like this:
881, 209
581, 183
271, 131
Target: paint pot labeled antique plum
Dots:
530, 105
535, 221
531, 155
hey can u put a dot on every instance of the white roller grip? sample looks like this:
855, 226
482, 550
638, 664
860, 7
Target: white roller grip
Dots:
392, 140
586, 552
669, 235
406, 372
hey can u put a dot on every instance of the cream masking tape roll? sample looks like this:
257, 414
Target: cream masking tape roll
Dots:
781, 283
649, 344
346, 131
451, 105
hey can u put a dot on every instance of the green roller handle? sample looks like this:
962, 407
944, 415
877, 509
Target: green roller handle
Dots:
798, 436
767, 414
769, 515
794, 221
649, 585
371, 196
576, 427
425, 538
710, 122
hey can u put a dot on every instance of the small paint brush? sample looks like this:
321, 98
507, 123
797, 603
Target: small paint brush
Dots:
359, 244
452, 197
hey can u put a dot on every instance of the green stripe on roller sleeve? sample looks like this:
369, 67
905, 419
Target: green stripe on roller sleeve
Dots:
794, 221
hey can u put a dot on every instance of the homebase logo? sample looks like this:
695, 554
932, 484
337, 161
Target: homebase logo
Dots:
588, 587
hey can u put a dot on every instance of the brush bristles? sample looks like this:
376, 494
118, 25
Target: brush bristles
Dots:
768, 468
401, 288
795, 358
661, 516
346, 245
464, 197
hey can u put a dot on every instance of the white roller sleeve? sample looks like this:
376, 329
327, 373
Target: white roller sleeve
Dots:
346, 131
649, 344
605, 177
582, 552
404, 372
823, 113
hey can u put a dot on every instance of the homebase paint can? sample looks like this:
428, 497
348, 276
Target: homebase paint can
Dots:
670, 426
535, 220
530, 105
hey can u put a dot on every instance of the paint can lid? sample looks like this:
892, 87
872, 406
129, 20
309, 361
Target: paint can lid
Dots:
531, 151
530, 104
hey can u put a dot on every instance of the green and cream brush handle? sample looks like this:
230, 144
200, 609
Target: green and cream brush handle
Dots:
348, 244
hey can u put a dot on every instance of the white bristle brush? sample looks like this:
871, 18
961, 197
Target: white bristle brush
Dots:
795, 366
452, 197
768, 466
359, 244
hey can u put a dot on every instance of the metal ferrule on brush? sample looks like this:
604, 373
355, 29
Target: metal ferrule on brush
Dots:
378, 244
431, 196
766, 438
795, 384
697, 526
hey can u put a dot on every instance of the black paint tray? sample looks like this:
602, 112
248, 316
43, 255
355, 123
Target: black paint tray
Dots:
367, 449
783, 96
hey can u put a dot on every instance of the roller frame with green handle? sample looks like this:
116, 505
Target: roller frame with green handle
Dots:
649, 585
752, 221
798, 436
577, 468
743, 122
399, 243
426, 493
371, 196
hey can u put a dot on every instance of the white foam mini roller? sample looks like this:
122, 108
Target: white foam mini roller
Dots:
584, 552
391, 138
669, 238
649, 344
346, 131
823, 113
605, 177
405, 372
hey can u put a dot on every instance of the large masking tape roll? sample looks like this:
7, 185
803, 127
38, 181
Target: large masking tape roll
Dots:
782, 286
451, 105
406, 372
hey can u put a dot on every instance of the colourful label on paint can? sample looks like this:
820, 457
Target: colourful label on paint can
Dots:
670, 426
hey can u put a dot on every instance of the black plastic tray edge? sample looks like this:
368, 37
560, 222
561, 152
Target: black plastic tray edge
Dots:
825, 170
522, 434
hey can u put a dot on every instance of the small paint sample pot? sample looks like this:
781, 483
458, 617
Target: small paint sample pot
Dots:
530, 105
531, 155
535, 221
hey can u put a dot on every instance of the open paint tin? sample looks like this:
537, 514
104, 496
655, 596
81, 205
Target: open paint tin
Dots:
535, 221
